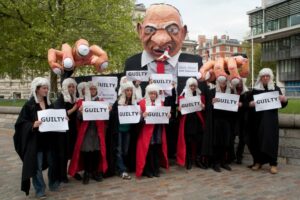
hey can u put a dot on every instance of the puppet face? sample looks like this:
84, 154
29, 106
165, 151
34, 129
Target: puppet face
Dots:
265, 79
193, 87
42, 91
128, 92
93, 91
162, 29
71, 88
222, 84
83, 91
153, 95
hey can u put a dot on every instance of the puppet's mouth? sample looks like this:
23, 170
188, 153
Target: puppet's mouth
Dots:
160, 51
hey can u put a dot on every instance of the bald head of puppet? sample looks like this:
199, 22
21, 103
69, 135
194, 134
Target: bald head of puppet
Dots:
162, 29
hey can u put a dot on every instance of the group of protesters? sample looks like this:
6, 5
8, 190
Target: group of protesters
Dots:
93, 149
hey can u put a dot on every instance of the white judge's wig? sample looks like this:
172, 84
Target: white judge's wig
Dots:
187, 90
244, 89
263, 72
123, 87
88, 96
80, 87
40, 81
152, 88
218, 88
122, 81
70, 98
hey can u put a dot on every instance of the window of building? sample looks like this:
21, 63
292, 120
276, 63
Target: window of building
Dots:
271, 26
217, 49
235, 50
228, 48
295, 40
295, 19
283, 22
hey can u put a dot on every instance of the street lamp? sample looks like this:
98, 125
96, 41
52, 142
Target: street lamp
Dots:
252, 60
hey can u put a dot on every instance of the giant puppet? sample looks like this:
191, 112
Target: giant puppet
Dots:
68, 58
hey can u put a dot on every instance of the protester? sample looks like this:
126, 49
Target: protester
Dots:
36, 149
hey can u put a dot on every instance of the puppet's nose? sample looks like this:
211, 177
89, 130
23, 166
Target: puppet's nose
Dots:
161, 38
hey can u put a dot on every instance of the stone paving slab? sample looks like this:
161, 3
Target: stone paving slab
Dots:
177, 183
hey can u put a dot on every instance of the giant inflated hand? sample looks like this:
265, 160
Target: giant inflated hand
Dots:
233, 68
81, 54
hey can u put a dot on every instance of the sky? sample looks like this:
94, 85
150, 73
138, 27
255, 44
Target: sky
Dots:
213, 17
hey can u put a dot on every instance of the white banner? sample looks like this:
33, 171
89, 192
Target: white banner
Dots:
141, 75
267, 101
157, 114
53, 120
129, 114
187, 69
106, 87
163, 80
229, 102
190, 105
95, 110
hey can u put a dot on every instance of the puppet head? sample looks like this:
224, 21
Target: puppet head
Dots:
91, 91
241, 86
71, 98
265, 77
223, 83
162, 30
35, 84
150, 90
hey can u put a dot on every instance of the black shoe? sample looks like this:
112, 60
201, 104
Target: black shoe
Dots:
201, 164
239, 161
86, 178
77, 177
216, 168
189, 164
148, 174
226, 166
97, 177
156, 174
65, 180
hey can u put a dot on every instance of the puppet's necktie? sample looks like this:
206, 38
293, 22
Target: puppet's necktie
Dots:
160, 67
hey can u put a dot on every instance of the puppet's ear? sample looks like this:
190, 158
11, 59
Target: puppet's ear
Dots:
184, 31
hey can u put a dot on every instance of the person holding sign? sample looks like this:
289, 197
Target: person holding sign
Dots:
81, 90
66, 141
151, 141
263, 125
222, 128
35, 149
123, 131
191, 126
90, 149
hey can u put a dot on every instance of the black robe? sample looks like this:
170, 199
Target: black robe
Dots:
28, 141
65, 141
263, 131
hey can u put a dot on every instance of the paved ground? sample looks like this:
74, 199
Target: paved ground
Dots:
177, 183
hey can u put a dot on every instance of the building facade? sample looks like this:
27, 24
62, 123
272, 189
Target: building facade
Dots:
276, 25
218, 47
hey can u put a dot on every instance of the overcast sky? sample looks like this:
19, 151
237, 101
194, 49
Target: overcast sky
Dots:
213, 17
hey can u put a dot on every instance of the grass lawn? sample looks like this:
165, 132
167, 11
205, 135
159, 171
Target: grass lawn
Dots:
293, 107
17, 102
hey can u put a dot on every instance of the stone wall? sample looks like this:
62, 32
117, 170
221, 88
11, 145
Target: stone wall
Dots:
289, 141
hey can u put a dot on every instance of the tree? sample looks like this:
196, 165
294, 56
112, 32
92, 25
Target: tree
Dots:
29, 28
258, 63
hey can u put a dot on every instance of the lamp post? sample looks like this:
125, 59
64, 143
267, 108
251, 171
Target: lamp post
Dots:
252, 59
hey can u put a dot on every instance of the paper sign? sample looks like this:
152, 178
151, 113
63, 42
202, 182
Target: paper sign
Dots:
229, 102
190, 105
95, 110
157, 114
267, 101
53, 120
163, 80
106, 87
141, 75
187, 69
129, 114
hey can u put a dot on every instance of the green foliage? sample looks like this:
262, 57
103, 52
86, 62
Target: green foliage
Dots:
258, 63
30, 27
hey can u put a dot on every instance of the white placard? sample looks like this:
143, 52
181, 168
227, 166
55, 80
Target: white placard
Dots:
141, 75
106, 87
157, 114
267, 101
163, 80
190, 105
129, 114
187, 69
95, 110
53, 120
229, 102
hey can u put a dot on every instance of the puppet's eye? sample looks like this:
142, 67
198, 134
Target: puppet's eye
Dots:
172, 29
149, 30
